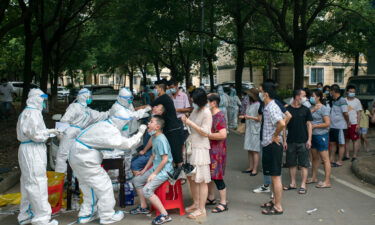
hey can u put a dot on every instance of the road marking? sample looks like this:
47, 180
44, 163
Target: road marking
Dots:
352, 186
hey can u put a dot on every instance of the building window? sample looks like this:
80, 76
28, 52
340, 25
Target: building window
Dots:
103, 80
316, 75
339, 76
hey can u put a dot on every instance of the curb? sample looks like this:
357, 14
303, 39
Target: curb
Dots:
12, 179
362, 173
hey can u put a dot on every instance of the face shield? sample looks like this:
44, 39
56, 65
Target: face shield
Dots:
122, 123
84, 95
45, 107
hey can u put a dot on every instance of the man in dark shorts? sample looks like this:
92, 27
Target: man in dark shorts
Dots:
298, 141
272, 126
173, 129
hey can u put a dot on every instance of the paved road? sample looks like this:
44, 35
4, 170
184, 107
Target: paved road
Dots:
358, 206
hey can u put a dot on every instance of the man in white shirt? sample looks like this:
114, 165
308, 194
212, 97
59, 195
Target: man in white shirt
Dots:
354, 111
6, 98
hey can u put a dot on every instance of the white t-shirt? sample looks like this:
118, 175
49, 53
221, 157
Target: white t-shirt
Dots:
6, 93
354, 106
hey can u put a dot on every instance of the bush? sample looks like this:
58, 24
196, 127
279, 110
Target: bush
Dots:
285, 93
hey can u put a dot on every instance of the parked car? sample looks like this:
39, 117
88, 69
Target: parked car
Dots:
62, 92
103, 97
365, 86
18, 87
226, 86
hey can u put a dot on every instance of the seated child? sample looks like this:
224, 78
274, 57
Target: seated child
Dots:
139, 162
149, 180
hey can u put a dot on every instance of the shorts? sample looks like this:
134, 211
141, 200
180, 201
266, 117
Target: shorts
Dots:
148, 188
176, 141
297, 155
337, 136
352, 134
272, 159
139, 162
320, 142
363, 130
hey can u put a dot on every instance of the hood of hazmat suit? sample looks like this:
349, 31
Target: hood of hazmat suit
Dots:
32, 157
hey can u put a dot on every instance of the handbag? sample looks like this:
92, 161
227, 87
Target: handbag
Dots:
188, 146
187, 167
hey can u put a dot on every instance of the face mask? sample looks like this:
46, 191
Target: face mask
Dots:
320, 89
168, 92
152, 133
130, 101
195, 106
312, 100
156, 93
88, 101
326, 92
125, 127
44, 105
351, 95
303, 99
173, 90
261, 96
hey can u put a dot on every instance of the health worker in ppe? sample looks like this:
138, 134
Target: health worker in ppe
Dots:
79, 116
32, 158
234, 106
224, 102
85, 159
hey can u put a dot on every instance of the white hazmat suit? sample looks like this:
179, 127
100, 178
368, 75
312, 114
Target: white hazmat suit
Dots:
224, 102
79, 116
85, 159
233, 109
32, 158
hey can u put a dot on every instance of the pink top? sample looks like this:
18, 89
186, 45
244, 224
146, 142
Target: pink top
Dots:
180, 101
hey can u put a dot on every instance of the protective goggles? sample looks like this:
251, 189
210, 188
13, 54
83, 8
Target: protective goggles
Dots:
84, 92
127, 97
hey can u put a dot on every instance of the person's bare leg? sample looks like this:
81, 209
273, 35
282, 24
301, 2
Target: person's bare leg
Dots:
332, 152
255, 162
357, 146
292, 173
202, 197
194, 194
365, 142
250, 157
315, 165
211, 191
304, 174
327, 167
341, 154
223, 196
277, 191
155, 201
142, 198
347, 148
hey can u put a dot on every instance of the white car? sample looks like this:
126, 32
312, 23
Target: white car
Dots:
62, 92
18, 87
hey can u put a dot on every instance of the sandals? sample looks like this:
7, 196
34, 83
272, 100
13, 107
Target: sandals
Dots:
322, 185
195, 215
211, 202
272, 211
335, 165
247, 171
219, 210
253, 174
302, 191
266, 205
311, 181
190, 209
289, 188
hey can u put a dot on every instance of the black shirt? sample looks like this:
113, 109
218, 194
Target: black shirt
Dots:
297, 127
170, 116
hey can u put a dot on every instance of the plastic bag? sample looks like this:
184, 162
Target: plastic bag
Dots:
54, 179
13, 198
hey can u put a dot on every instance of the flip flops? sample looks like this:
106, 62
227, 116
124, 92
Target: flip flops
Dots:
289, 188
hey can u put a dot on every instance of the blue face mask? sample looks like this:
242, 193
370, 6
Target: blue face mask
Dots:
351, 95
156, 93
88, 101
320, 89
44, 105
168, 92
152, 133
326, 92
125, 127
312, 100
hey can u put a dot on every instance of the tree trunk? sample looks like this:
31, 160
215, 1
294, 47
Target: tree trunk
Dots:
298, 59
211, 73
131, 75
187, 75
157, 70
356, 64
45, 68
28, 58
240, 44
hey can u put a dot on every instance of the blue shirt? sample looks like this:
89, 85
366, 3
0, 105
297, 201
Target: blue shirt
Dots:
160, 147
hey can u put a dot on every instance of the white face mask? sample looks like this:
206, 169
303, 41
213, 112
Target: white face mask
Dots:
303, 99
195, 106
261, 96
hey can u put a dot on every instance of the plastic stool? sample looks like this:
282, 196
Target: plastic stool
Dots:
59, 188
171, 197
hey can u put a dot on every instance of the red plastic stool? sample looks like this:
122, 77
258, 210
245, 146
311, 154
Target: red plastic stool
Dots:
59, 188
171, 197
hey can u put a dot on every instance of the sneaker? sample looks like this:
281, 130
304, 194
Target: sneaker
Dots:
262, 189
161, 219
87, 219
118, 216
139, 210
26, 221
